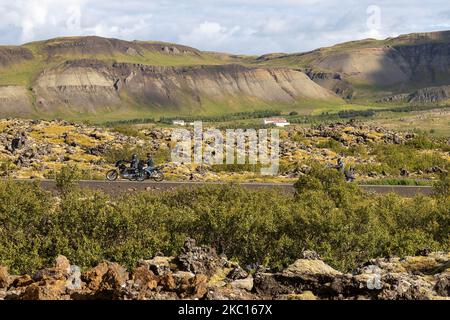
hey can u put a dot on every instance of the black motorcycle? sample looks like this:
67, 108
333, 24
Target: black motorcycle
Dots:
123, 171
139, 174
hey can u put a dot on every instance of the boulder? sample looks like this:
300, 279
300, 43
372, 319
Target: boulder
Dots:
74, 278
197, 287
310, 268
167, 282
46, 290
22, 281
106, 281
94, 276
199, 260
159, 264
144, 279
60, 271
243, 284
5, 278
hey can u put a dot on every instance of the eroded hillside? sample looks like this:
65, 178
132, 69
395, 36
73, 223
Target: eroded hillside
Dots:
93, 76
378, 67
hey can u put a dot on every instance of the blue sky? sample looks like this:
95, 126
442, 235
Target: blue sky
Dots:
235, 26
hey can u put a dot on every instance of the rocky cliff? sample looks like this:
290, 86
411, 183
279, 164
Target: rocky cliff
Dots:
200, 273
436, 95
91, 85
10, 55
92, 46
333, 82
394, 64
91, 75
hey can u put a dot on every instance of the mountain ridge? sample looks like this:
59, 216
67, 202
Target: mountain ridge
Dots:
178, 79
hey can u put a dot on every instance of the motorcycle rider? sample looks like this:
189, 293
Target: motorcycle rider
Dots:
150, 164
134, 163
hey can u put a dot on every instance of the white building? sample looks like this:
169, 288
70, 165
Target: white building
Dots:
178, 122
278, 122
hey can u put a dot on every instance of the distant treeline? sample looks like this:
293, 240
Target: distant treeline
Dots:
293, 116
130, 121
225, 117
345, 114
371, 112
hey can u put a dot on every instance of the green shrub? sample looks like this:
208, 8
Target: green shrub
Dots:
128, 131
345, 225
67, 177
396, 157
25, 226
421, 141
442, 187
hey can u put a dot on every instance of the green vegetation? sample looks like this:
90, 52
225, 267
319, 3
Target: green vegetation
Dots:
129, 122
247, 167
66, 178
435, 122
396, 157
397, 182
420, 153
128, 131
442, 187
337, 219
225, 117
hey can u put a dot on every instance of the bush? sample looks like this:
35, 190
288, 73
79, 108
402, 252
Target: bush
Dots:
421, 141
67, 177
338, 220
25, 226
396, 157
442, 187
128, 131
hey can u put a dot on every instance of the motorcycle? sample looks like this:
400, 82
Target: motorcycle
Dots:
123, 171
156, 174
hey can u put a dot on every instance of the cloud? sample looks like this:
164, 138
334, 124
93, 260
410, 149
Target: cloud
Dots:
237, 26
212, 33
38, 15
274, 26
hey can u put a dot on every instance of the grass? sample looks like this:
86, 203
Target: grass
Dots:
81, 139
347, 106
133, 110
434, 122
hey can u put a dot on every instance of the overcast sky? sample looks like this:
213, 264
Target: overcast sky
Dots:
235, 26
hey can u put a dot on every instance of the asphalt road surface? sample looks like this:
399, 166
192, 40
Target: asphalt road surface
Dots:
130, 186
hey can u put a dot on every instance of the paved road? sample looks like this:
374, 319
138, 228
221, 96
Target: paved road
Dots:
127, 186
